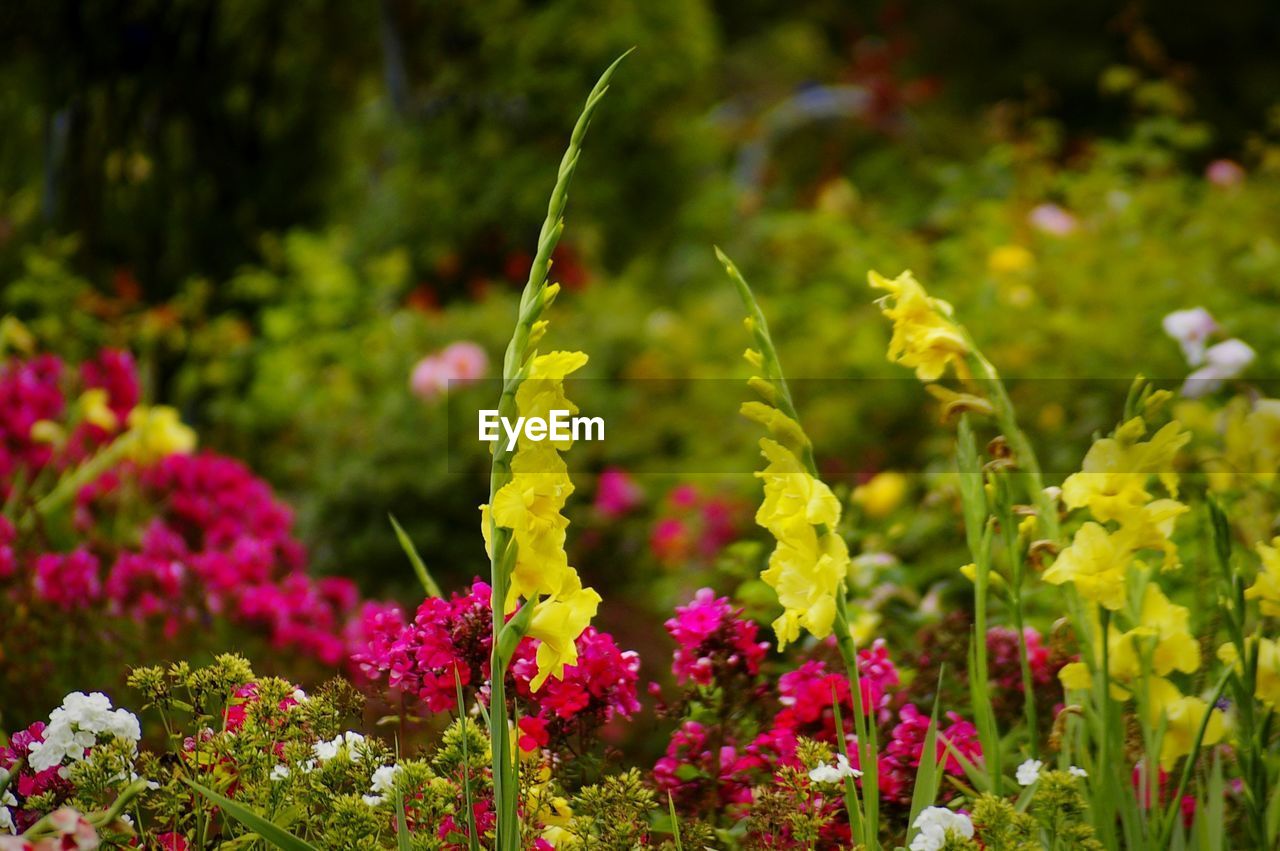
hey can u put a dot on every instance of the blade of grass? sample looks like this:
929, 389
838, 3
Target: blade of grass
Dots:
419, 567
273, 833
474, 841
927, 775
403, 842
675, 822
851, 805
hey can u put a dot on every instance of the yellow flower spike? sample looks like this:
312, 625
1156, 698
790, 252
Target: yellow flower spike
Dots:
1113, 477
1266, 587
556, 623
924, 336
95, 410
159, 432
1097, 563
1182, 716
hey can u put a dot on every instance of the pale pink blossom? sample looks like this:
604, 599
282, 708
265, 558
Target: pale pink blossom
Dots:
1224, 173
1053, 220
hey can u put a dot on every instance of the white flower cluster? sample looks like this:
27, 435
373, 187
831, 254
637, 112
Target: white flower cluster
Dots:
1029, 772
382, 782
77, 725
935, 824
326, 751
834, 773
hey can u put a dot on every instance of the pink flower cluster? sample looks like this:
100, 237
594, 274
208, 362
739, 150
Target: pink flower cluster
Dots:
902, 754
211, 538
449, 643
696, 526
714, 643
28, 783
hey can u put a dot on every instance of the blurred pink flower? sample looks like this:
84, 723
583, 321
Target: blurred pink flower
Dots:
461, 362
617, 493
1052, 219
1224, 173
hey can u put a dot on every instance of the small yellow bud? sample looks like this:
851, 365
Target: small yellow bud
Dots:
764, 387
537, 331
749, 324
46, 431
754, 358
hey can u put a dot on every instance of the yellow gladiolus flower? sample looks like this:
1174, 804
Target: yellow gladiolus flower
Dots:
1113, 478
806, 570
1266, 587
542, 390
882, 494
924, 336
792, 497
556, 623
1164, 629
1182, 715
1075, 675
1268, 683
158, 432
1096, 562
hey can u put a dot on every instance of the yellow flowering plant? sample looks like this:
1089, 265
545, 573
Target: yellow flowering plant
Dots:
522, 523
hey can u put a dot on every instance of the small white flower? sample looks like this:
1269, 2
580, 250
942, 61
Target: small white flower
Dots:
6, 821
837, 773
935, 824
300, 695
1077, 771
280, 772
384, 778
127, 819
326, 751
371, 800
1224, 361
1191, 328
1029, 772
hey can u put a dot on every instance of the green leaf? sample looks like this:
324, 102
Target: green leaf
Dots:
927, 774
402, 825
675, 822
419, 566
276, 835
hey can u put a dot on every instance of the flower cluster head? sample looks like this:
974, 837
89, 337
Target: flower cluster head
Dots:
925, 337
714, 642
530, 506
937, 825
77, 725
461, 362
447, 644
901, 756
617, 493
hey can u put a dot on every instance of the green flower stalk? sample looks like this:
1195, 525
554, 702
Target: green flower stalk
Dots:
810, 565
503, 528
